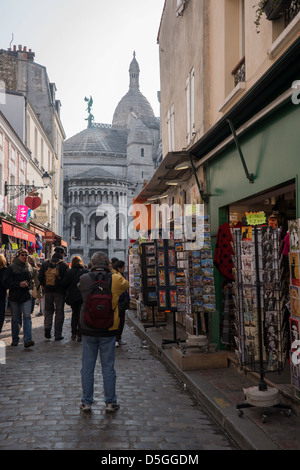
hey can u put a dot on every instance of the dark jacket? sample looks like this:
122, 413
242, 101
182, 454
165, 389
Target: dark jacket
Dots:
124, 299
62, 267
14, 274
70, 282
2, 287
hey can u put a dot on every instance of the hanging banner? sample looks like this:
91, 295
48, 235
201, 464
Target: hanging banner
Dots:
22, 214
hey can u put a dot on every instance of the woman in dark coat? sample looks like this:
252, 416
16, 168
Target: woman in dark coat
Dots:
73, 296
18, 279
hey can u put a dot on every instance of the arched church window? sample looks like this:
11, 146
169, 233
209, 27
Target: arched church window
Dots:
76, 227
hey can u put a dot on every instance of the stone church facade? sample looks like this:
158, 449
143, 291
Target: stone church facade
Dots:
105, 168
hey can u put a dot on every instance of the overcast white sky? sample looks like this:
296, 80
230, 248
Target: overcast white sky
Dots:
86, 47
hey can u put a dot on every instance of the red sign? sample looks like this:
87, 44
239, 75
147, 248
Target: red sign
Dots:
49, 236
33, 202
14, 231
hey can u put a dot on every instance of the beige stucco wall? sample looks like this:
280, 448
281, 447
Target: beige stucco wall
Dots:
207, 36
262, 49
181, 43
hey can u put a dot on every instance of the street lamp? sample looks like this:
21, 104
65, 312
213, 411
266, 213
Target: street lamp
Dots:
19, 189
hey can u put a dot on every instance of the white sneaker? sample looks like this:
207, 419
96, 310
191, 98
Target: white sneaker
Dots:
117, 344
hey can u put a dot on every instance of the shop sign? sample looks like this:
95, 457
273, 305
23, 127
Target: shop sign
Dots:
41, 214
256, 218
49, 236
22, 214
33, 202
16, 232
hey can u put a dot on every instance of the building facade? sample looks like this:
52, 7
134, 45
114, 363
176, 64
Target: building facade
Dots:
229, 105
105, 167
30, 105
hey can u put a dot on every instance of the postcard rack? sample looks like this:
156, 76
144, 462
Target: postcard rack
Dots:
259, 340
149, 281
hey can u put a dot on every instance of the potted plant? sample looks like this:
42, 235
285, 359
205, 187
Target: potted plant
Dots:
273, 9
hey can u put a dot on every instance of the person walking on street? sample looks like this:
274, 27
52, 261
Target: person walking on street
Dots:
114, 263
18, 279
50, 276
36, 291
73, 296
100, 341
3, 296
123, 305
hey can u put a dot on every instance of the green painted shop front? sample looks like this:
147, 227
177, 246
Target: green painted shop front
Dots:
271, 151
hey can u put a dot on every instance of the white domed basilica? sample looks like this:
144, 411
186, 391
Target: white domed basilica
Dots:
105, 168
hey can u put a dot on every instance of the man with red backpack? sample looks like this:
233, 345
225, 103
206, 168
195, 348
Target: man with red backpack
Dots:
99, 323
50, 275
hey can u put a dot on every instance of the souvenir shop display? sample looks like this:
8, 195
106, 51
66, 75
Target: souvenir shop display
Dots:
148, 260
294, 319
194, 277
195, 281
176, 276
259, 339
166, 274
148, 268
257, 290
134, 271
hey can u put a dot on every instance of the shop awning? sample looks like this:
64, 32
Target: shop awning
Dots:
51, 237
17, 232
165, 174
39, 231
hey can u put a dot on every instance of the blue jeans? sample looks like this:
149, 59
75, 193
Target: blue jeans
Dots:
91, 345
16, 319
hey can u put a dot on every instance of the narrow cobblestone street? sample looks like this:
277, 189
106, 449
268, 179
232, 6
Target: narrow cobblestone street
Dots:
41, 391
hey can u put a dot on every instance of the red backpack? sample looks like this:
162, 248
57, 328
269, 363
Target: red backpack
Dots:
98, 311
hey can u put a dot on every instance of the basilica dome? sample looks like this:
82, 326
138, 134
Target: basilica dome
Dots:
134, 102
99, 139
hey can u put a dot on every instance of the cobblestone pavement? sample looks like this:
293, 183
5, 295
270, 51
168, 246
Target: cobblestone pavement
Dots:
41, 392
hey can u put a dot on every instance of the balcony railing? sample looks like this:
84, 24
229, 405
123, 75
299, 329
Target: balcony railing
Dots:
239, 72
291, 12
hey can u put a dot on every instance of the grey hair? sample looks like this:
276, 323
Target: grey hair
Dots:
100, 259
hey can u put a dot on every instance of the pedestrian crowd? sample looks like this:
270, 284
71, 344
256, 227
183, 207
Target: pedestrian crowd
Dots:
97, 291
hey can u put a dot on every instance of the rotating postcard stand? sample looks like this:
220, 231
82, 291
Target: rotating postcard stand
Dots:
166, 281
149, 280
260, 396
